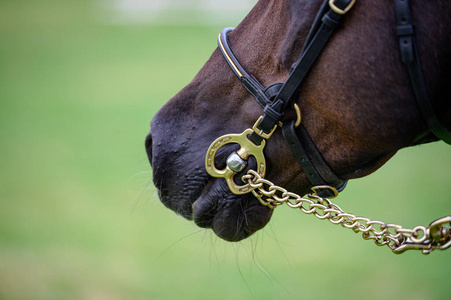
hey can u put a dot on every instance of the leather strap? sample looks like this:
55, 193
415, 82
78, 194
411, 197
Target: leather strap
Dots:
329, 22
409, 56
312, 162
250, 83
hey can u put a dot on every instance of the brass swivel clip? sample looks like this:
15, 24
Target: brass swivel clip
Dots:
436, 236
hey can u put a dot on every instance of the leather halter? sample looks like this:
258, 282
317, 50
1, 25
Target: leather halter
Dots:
281, 96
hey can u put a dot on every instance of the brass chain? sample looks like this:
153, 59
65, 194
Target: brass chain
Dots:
399, 239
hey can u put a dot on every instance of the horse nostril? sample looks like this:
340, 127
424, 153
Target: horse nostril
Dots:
148, 144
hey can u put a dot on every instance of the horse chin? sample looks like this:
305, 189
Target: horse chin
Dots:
231, 217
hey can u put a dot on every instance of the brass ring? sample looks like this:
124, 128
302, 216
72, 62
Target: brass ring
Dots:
298, 115
338, 10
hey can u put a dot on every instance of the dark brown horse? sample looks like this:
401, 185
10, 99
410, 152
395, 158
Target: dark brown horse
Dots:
357, 104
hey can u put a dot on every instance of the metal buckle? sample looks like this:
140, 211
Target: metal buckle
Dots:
338, 10
261, 132
320, 187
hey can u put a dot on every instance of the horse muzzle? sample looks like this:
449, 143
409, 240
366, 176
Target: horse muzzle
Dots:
185, 187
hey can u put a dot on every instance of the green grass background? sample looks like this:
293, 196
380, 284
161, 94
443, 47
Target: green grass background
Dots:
79, 218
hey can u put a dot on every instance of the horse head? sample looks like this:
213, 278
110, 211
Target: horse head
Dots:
357, 106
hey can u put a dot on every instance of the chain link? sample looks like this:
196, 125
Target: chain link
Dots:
399, 239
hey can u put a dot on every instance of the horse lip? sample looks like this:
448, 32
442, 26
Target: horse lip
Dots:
231, 217
180, 197
203, 214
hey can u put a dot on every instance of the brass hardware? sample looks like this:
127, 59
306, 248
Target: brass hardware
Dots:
438, 232
409, 245
436, 236
298, 115
331, 188
338, 10
247, 149
260, 132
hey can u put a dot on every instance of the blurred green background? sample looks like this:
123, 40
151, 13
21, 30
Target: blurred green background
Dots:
79, 218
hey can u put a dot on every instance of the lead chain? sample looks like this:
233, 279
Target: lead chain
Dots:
397, 238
